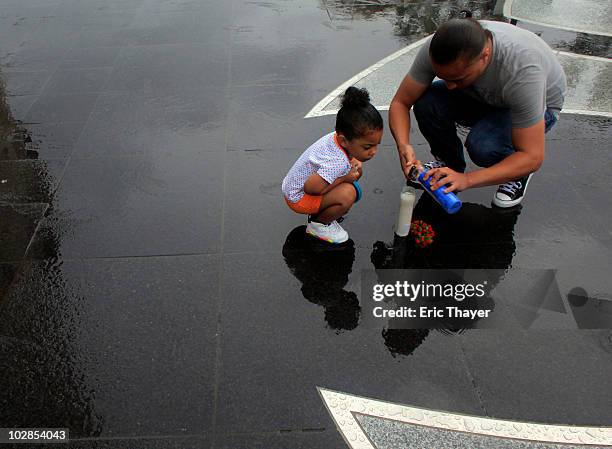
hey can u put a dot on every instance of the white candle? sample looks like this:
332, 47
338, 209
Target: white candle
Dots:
404, 218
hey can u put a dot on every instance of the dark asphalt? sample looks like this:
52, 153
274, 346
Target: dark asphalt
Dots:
150, 293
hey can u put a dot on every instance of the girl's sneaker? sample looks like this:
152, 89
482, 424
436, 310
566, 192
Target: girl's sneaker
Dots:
332, 233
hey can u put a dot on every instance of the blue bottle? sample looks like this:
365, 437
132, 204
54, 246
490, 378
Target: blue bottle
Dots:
448, 201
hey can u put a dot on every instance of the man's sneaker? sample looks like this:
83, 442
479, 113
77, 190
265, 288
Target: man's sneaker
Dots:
511, 193
332, 233
434, 164
426, 166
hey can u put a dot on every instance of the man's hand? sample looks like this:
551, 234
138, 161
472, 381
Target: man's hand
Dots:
446, 176
407, 157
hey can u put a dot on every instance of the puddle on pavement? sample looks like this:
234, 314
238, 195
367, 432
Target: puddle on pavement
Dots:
323, 273
477, 237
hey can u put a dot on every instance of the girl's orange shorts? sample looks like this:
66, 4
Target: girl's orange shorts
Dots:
308, 204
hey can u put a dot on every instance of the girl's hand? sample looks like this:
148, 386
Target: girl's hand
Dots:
351, 176
357, 166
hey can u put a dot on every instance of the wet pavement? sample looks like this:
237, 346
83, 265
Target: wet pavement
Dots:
155, 291
583, 15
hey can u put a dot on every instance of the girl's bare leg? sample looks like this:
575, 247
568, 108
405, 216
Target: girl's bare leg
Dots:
336, 203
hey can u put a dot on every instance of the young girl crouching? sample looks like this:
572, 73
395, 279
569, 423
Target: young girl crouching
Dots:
323, 181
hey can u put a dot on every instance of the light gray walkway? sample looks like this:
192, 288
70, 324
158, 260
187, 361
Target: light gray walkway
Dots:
589, 83
367, 424
586, 16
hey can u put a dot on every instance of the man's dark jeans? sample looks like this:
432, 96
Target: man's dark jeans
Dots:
490, 138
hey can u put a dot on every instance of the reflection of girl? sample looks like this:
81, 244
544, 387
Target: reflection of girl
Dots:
323, 274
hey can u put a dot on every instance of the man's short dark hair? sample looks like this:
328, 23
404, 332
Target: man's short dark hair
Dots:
458, 39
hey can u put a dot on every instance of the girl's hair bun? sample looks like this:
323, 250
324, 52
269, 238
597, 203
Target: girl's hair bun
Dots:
357, 115
355, 98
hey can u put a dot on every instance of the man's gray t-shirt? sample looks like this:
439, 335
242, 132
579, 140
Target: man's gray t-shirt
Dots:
524, 75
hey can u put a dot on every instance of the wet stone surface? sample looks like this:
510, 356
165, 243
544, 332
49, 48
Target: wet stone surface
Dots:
392, 434
156, 291
122, 376
19, 223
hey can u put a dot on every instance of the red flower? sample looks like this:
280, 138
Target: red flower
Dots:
422, 232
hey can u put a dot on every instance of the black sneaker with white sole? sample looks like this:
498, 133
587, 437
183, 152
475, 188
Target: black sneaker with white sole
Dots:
426, 166
511, 193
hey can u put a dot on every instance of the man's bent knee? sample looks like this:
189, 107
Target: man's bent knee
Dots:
487, 152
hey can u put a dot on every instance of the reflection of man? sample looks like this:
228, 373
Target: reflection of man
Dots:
477, 237
503, 82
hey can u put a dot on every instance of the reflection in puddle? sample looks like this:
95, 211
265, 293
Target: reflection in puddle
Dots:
323, 272
477, 237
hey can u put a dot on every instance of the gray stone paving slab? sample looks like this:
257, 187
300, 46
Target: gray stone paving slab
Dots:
123, 375
561, 221
26, 82
20, 105
199, 442
271, 118
580, 261
100, 211
17, 228
388, 434
258, 29
150, 27
181, 124
90, 57
168, 68
58, 107
523, 375
79, 80
7, 274
306, 439
29, 181
589, 165
54, 140
109, 29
